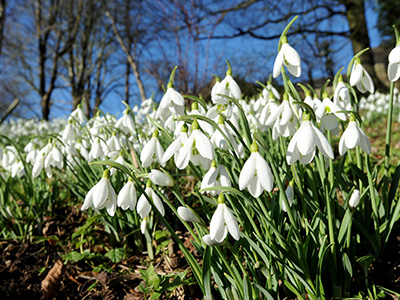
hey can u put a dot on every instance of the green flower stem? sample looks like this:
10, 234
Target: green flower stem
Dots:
387, 148
374, 204
329, 208
360, 166
149, 243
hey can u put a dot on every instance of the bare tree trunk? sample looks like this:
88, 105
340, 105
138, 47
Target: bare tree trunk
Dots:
355, 14
127, 75
131, 59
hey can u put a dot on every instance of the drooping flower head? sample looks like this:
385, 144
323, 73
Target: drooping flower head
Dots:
289, 58
256, 175
394, 63
223, 222
305, 140
152, 152
360, 78
102, 195
226, 88
354, 136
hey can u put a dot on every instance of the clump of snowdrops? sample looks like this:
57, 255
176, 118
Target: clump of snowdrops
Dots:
276, 209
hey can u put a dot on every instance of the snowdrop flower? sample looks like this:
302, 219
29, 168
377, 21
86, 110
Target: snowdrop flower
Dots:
289, 195
144, 207
68, 134
303, 143
171, 102
226, 88
197, 149
354, 199
394, 63
341, 97
126, 123
113, 143
328, 112
152, 152
127, 196
102, 195
223, 222
176, 145
360, 78
97, 150
353, 136
210, 242
256, 175
288, 57
40, 160
78, 114
284, 118
160, 178
143, 226
196, 110
187, 214
219, 140
215, 177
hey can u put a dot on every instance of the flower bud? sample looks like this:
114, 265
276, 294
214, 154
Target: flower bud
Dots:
188, 214
354, 199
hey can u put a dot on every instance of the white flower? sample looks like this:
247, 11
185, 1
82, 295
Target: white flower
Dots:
144, 207
210, 242
125, 123
303, 143
341, 97
219, 140
127, 197
171, 102
223, 222
40, 160
176, 145
353, 136
102, 195
327, 113
97, 150
289, 195
394, 64
256, 174
354, 199
197, 149
215, 177
226, 88
152, 152
288, 57
78, 114
360, 78
188, 215
113, 143
160, 178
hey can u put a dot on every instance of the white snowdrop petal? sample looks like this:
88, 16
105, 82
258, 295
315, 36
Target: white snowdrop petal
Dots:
278, 64
292, 153
393, 71
305, 138
217, 224
264, 173
231, 223
187, 214
323, 143
291, 55
352, 136
247, 172
203, 145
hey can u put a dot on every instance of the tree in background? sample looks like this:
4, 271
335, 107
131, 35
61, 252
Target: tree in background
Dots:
388, 15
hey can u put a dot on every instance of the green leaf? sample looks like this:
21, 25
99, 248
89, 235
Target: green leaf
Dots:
247, 294
206, 274
115, 255
344, 227
347, 264
112, 164
285, 32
